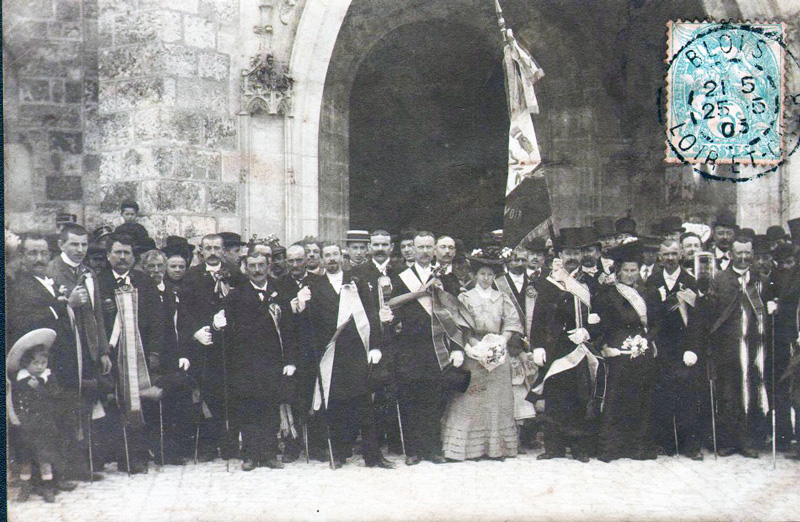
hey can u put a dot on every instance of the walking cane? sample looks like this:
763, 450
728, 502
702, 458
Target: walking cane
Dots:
381, 299
774, 400
325, 414
305, 439
161, 430
400, 425
225, 394
713, 417
91, 457
200, 385
675, 432
124, 431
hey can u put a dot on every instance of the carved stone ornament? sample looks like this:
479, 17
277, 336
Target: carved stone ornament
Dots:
267, 86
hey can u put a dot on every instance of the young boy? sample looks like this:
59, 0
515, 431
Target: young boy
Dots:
35, 399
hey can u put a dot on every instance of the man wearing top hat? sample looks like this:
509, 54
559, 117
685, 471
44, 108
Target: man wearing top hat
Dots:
560, 331
673, 310
591, 251
724, 229
231, 256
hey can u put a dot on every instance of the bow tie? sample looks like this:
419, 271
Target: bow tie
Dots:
122, 281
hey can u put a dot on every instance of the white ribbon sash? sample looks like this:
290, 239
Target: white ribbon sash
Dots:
569, 361
413, 283
350, 307
566, 282
632, 296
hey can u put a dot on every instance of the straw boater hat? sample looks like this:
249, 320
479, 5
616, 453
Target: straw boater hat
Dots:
43, 337
357, 236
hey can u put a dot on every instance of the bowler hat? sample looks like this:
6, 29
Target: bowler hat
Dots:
672, 224
456, 379
537, 244
625, 225
776, 233
747, 232
604, 226
784, 251
40, 337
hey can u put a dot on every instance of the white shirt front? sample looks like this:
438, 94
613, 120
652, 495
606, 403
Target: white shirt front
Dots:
213, 269
47, 283
423, 273
518, 280
381, 266
88, 281
646, 271
724, 257
260, 289
671, 279
336, 280
126, 277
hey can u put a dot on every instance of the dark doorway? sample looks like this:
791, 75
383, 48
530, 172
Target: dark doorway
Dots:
428, 132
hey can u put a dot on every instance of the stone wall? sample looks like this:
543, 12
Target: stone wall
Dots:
50, 92
164, 131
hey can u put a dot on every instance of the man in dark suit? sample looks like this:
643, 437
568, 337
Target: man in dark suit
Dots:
680, 392
35, 302
80, 286
119, 250
347, 340
518, 286
204, 287
737, 318
418, 361
561, 327
262, 353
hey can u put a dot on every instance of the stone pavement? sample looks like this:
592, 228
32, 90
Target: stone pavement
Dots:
732, 488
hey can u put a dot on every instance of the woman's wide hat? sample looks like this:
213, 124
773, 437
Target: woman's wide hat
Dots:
630, 252
40, 337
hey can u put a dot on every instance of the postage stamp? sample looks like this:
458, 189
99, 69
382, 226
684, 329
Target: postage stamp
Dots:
725, 93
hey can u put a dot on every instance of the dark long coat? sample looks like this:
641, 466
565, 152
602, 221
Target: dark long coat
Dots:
350, 370
257, 350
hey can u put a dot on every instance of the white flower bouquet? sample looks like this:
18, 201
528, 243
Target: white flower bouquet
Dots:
635, 346
490, 352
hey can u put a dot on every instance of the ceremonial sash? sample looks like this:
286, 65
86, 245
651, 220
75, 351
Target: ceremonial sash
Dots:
447, 313
686, 298
569, 361
566, 282
753, 296
635, 300
525, 316
133, 375
350, 309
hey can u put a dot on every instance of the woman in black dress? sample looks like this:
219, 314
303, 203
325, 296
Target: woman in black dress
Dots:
624, 429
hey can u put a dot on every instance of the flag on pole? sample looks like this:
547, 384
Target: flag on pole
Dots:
527, 211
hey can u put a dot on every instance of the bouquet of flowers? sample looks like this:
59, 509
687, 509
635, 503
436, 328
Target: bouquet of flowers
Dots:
635, 346
490, 352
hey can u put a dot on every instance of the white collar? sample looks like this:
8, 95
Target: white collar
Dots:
124, 276
337, 277
381, 266
426, 271
24, 374
260, 289
213, 269
670, 279
740, 272
514, 277
69, 262
46, 281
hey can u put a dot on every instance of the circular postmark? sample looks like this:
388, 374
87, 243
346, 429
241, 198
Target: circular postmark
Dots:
726, 98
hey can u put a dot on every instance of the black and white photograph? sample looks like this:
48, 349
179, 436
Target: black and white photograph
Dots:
401, 260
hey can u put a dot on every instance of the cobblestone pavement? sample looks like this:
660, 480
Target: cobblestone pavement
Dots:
732, 488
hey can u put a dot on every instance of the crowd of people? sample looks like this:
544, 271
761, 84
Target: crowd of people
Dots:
597, 342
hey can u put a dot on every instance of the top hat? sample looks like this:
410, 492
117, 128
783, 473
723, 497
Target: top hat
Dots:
230, 239
794, 229
569, 237
627, 252
604, 227
357, 236
39, 337
725, 219
761, 244
588, 236
625, 225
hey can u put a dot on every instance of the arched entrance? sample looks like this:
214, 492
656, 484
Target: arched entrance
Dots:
428, 138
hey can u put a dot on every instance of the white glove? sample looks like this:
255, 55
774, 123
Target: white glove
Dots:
374, 356
771, 307
593, 319
219, 321
183, 364
579, 335
539, 356
295, 304
304, 294
610, 352
385, 315
689, 358
289, 370
457, 358
203, 335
